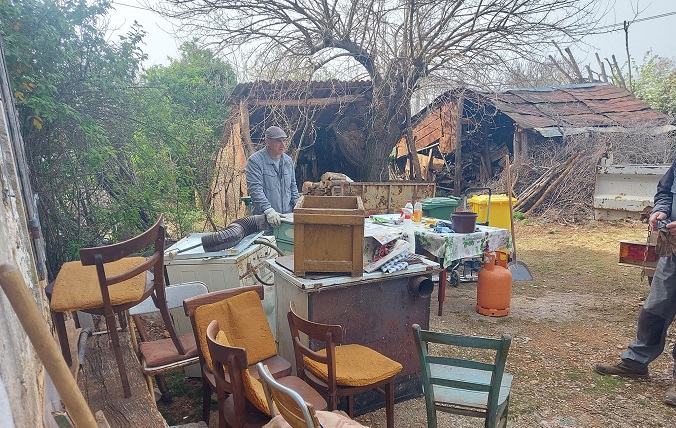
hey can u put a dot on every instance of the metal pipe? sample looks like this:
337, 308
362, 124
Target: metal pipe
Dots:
421, 286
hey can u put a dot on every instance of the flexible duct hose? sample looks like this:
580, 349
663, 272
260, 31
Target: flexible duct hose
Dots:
234, 233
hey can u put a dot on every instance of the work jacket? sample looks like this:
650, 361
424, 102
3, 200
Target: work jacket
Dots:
269, 185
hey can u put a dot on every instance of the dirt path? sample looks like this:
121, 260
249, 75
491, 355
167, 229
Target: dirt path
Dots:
580, 309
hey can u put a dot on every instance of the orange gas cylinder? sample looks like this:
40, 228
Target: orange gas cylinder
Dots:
493, 289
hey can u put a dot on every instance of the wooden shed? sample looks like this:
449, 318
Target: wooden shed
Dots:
491, 125
322, 119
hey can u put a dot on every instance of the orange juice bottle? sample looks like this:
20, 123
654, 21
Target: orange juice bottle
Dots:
417, 211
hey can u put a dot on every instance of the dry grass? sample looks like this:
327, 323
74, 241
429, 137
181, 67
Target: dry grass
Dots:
580, 309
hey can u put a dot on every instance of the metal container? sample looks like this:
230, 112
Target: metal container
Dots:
387, 197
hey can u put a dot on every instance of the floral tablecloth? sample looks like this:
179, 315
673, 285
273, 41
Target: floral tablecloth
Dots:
448, 247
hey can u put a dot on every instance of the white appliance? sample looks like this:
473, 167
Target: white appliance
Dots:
186, 261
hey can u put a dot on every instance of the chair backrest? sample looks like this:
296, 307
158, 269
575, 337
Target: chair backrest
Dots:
493, 365
295, 411
99, 256
191, 305
329, 334
234, 361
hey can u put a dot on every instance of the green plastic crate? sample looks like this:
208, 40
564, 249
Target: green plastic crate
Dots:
440, 207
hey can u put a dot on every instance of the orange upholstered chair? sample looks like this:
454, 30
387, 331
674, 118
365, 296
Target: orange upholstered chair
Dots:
342, 370
246, 404
107, 281
240, 314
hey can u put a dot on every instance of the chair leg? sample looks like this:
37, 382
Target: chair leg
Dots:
222, 423
151, 387
117, 350
350, 406
164, 389
333, 401
206, 400
122, 317
60, 325
389, 403
169, 325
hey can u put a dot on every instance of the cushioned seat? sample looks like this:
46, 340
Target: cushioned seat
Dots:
241, 317
69, 293
163, 352
341, 371
356, 365
246, 392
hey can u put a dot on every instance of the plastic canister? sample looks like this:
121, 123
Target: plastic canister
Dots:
499, 210
417, 211
408, 229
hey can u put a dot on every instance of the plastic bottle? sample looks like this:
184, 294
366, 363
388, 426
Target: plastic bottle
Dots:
408, 229
409, 206
417, 211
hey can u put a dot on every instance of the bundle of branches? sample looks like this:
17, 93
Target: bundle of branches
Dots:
557, 181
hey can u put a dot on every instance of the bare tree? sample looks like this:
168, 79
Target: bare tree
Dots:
396, 43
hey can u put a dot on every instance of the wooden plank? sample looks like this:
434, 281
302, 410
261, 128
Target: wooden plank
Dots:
100, 384
305, 102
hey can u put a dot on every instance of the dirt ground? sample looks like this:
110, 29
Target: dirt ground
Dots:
580, 309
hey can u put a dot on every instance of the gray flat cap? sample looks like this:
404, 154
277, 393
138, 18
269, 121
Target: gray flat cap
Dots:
274, 133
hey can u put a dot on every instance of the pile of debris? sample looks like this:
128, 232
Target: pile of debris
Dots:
330, 185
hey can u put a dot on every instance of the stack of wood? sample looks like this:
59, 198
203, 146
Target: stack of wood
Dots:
537, 192
328, 186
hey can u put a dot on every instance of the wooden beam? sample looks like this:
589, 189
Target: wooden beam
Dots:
457, 183
308, 102
245, 129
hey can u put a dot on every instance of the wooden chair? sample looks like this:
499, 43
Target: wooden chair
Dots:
342, 370
107, 282
246, 405
476, 387
214, 306
160, 356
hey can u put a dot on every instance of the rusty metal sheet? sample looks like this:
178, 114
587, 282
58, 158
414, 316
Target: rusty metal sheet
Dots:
617, 105
597, 92
564, 109
643, 117
387, 197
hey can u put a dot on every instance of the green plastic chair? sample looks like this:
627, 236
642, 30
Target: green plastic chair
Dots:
463, 386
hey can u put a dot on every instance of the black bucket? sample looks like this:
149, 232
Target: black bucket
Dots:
464, 221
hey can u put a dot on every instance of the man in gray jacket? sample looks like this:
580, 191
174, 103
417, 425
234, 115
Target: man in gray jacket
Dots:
271, 179
659, 307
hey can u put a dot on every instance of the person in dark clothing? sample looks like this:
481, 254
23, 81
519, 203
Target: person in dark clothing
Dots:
659, 307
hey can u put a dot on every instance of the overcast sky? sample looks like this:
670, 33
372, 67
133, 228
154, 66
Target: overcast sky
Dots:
653, 33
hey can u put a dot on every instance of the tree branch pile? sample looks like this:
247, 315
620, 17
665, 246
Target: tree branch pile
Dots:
557, 180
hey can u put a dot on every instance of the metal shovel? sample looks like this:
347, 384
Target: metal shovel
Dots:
518, 269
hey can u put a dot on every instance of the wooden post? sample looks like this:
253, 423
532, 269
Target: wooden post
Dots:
487, 150
245, 129
457, 181
37, 331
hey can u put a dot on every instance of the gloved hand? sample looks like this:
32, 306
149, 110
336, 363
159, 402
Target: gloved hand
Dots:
273, 217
